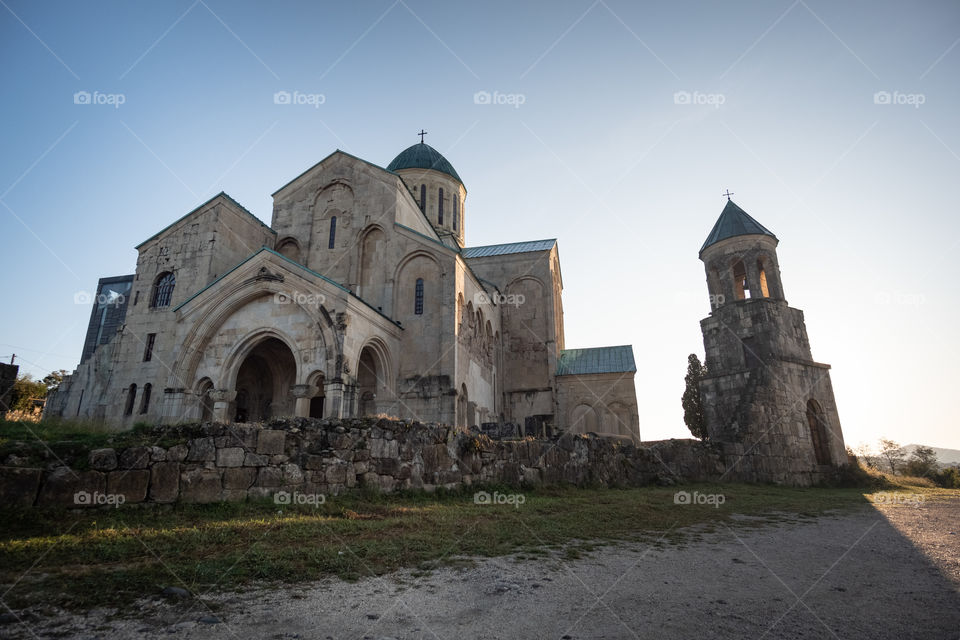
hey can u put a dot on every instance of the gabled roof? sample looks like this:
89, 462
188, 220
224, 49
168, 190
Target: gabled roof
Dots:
330, 155
734, 221
578, 362
504, 249
195, 209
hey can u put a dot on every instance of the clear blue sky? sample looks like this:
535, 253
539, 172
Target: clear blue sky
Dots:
605, 153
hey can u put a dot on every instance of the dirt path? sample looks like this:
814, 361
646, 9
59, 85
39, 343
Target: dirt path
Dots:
887, 572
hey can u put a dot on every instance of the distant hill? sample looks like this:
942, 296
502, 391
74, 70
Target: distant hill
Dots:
944, 456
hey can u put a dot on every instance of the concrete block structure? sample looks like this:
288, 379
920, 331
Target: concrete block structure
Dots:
360, 298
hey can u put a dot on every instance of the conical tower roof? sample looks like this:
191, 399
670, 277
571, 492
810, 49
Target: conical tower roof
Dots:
734, 221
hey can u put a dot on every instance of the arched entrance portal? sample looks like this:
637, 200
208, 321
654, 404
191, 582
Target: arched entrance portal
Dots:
818, 432
263, 382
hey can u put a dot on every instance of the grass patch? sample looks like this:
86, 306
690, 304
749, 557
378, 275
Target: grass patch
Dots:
114, 556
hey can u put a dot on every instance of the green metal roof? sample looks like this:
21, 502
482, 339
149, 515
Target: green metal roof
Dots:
578, 362
734, 221
512, 247
423, 156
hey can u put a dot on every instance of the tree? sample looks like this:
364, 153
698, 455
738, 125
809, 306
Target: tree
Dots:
25, 389
923, 462
53, 379
891, 453
692, 404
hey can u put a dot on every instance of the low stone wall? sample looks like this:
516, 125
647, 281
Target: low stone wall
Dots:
216, 462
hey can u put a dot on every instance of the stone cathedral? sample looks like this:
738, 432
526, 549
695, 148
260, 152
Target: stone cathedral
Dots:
360, 298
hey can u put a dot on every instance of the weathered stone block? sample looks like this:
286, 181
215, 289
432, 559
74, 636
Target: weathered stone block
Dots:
292, 474
200, 485
178, 453
19, 487
135, 458
239, 478
269, 477
230, 457
165, 481
255, 460
337, 474
66, 487
201, 450
132, 484
103, 459
271, 441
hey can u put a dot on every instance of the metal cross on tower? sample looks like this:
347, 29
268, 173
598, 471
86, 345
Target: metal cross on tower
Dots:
421, 134
728, 194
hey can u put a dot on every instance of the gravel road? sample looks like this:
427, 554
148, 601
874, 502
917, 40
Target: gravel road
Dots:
883, 571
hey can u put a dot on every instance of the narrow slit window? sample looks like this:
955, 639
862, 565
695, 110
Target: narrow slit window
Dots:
148, 350
456, 211
423, 198
440, 207
418, 297
333, 232
145, 401
131, 398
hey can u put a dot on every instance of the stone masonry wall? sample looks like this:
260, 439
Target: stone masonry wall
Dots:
217, 462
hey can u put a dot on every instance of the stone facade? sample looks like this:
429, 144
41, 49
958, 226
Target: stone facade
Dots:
354, 301
763, 394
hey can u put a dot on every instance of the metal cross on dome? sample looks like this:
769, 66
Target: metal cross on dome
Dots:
728, 194
421, 134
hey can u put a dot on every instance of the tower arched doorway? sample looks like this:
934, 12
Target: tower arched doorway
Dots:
263, 382
818, 432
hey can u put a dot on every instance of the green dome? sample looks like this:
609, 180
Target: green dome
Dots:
423, 156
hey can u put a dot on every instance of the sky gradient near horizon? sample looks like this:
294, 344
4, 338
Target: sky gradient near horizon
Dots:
610, 125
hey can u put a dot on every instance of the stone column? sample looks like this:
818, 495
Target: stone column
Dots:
303, 393
333, 405
221, 403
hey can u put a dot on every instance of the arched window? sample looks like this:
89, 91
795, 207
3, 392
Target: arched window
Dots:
418, 298
423, 198
163, 289
145, 400
456, 211
440, 207
333, 232
764, 290
131, 397
740, 288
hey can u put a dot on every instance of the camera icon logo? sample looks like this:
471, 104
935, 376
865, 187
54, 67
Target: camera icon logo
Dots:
481, 97
881, 97
482, 497
81, 97
82, 297
681, 97
82, 497
681, 497
281, 97
282, 497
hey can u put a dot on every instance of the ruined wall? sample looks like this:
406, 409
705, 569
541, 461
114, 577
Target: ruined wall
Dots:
215, 462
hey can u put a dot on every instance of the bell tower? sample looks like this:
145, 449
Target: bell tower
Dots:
763, 392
